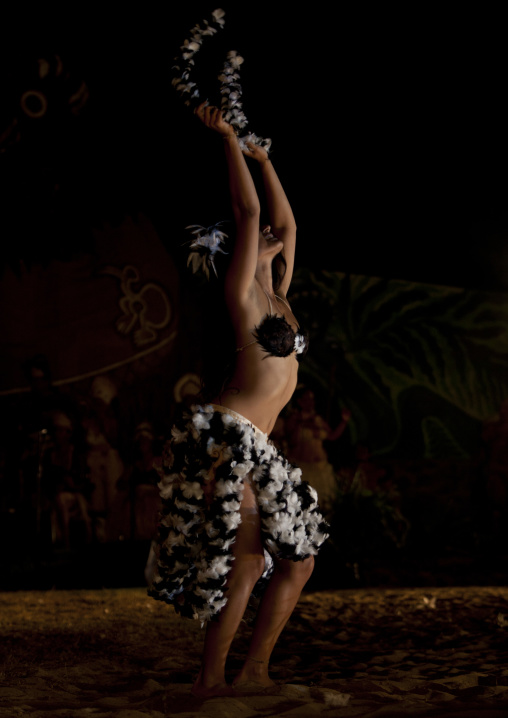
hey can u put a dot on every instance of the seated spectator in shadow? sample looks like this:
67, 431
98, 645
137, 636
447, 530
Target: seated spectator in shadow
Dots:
305, 432
137, 503
29, 428
144, 479
44, 399
106, 467
145, 502
65, 481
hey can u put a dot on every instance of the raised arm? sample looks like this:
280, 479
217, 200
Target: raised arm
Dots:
282, 220
245, 202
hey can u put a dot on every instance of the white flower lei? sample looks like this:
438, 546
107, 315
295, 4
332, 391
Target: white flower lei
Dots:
195, 554
230, 89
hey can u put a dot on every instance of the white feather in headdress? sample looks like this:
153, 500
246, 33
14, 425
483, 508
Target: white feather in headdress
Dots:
204, 247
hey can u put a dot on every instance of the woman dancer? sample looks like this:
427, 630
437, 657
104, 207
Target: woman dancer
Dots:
236, 515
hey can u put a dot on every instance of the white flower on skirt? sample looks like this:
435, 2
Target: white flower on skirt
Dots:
179, 436
272, 528
192, 489
166, 489
300, 533
228, 420
268, 562
211, 531
232, 505
313, 493
272, 545
295, 474
173, 539
258, 472
179, 566
293, 503
286, 536
203, 576
228, 543
319, 537
200, 421
183, 505
277, 471
213, 449
218, 568
232, 521
270, 452
267, 498
260, 442
205, 593
242, 470
220, 604
224, 487
270, 505
179, 524
272, 488
301, 547
221, 565
204, 614
284, 525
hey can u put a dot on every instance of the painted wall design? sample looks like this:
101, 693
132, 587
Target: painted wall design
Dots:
91, 314
420, 366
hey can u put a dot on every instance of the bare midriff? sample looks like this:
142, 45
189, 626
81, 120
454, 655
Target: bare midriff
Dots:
261, 386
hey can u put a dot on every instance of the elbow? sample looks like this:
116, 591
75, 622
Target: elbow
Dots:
248, 210
286, 226
251, 213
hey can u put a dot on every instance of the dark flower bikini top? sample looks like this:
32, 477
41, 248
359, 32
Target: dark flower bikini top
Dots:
277, 337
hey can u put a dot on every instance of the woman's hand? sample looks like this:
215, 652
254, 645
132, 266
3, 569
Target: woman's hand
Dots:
212, 117
256, 152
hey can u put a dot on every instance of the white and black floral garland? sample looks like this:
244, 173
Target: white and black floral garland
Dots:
196, 533
230, 88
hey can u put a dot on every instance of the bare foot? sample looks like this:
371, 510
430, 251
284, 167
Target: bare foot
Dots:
254, 687
198, 690
253, 676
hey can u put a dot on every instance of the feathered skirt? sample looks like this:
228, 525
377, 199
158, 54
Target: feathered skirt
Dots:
211, 451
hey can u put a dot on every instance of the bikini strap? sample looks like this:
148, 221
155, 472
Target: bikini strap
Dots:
269, 300
240, 349
283, 300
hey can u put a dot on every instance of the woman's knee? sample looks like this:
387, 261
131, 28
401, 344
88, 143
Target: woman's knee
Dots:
249, 567
299, 571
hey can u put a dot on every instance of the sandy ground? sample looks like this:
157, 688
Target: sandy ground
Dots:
368, 652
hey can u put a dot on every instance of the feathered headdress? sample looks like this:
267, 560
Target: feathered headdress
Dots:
205, 245
230, 88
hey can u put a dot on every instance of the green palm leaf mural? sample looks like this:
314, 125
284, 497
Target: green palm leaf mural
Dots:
405, 356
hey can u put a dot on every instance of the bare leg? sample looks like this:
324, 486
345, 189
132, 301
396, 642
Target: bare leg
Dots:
278, 602
247, 568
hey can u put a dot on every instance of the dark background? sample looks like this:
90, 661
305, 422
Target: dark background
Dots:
388, 131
